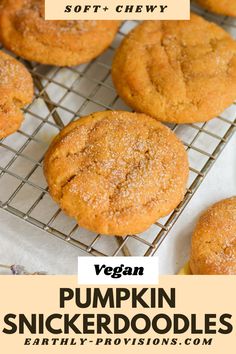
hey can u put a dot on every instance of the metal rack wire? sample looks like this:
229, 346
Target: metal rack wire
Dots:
63, 94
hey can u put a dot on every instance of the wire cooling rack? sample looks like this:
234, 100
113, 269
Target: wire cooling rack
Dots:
63, 94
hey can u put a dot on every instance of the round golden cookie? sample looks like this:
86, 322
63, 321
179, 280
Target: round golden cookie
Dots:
16, 90
116, 173
222, 7
214, 240
64, 43
177, 71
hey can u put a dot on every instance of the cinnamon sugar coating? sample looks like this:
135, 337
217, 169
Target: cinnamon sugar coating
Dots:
222, 7
16, 90
116, 173
177, 71
25, 32
214, 240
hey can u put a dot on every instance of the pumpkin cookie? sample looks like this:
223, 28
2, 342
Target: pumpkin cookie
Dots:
177, 71
214, 240
16, 90
116, 173
222, 7
25, 32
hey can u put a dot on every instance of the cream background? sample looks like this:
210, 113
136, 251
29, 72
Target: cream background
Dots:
32, 298
176, 10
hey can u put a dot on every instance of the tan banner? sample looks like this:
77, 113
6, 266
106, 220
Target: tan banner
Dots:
117, 10
52, 314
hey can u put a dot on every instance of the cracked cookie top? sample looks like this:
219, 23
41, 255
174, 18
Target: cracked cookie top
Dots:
116, 172
16, 90
25, 32
214, 240
177, 71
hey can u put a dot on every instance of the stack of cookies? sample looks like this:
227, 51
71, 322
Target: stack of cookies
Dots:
117, 173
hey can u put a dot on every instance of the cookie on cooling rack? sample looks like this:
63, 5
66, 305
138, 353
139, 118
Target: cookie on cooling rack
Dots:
25, 32
16, 90
177, 71
214, 240
116, 173
222, 7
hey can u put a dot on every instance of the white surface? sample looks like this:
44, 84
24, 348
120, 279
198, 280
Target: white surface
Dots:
219, 184
24, 244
